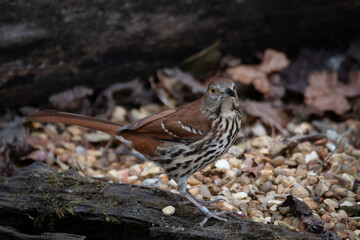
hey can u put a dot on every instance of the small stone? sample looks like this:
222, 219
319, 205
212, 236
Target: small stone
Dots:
321, 151
193, 181
261, 142
322, 187
311, 203
235, 151
194, 191
222, 164
151, 182
277, 161
265, 175
172, 183
255, 213
303, 128
299, 191
311, 157
331, 203
343, 214
135, 170
239, 195
266, 186
150, 170
271, 203
330, 146
132, 179
258, 129
332, 135
169, 210
298, 157
204, 191
347, 204
326, 218
329, 225
339, 227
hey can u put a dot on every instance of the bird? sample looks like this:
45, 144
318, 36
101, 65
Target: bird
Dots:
180, 140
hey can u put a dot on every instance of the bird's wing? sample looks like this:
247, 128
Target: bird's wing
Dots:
186, 124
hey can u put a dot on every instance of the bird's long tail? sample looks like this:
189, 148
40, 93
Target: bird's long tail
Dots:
76, 119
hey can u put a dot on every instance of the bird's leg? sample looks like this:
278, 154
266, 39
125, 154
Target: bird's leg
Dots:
203, 209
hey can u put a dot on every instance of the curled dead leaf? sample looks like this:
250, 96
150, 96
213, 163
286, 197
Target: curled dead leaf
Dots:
326, 93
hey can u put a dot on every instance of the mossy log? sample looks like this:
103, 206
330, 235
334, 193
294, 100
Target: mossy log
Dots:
37, 201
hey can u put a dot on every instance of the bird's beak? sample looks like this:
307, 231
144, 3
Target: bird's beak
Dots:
230, 92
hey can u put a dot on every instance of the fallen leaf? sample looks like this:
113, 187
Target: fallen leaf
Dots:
327, 94
273, 61
37, 155
71, 99
265, 112
257, 75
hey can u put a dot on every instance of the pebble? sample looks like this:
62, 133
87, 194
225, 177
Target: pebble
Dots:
235, 151
172, 183
343, 214
271, 203
326, 218
204, 191
277, 161
329, 225
311, 157
299, 191
266, 186
332, 135
347, 204
169, 210
311, 203
331, 203
239, 195
322, 187
298, 157
261, 142
150, 170
254, 213
222, 164
258, 129
151, 182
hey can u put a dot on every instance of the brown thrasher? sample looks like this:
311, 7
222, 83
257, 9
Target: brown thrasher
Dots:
181, 140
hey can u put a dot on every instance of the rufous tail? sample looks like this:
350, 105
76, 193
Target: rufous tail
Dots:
76, 119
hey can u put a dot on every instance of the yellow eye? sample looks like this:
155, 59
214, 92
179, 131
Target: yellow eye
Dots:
234, 88
212, 90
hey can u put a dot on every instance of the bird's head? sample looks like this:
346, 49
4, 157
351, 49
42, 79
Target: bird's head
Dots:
221, 96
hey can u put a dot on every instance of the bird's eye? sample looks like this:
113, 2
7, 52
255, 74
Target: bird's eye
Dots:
212, 90
234, 88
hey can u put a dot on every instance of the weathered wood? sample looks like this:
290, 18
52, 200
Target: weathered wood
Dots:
49, 46
37, 200
7, 233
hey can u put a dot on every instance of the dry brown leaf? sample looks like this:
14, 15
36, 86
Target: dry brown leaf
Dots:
70, 99
327, 94
264, 111
37, 155
257, 74
273, 61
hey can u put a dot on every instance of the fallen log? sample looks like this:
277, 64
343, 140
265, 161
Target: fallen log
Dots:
50, 46
37, 202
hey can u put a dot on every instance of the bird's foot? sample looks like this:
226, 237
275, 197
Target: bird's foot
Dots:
213, 215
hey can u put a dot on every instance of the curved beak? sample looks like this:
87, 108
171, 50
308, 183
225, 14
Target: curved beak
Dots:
230, 92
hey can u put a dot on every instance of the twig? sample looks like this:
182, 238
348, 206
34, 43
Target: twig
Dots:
330, 155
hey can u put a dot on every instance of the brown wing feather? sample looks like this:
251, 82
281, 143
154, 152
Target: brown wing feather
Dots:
76, 119
173, 121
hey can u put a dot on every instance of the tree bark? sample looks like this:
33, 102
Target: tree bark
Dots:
38, 202
49, 46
